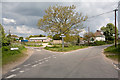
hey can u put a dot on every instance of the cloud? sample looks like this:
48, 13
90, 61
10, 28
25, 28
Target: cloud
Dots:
7, 21
28, 14
23, 30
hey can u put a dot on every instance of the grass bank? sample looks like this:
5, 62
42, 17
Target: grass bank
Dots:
58, 48
9, 56
34, 45
113, 53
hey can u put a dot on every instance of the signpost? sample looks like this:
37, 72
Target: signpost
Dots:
62, 35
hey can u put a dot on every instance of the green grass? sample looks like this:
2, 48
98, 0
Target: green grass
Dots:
112, 50
34, 45
58, 48
113, 53
9, 56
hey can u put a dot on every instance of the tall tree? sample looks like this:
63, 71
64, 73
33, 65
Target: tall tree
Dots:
108, 31
61, 20
4, 41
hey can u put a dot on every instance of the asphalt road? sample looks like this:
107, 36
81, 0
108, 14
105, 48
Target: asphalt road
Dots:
84, 63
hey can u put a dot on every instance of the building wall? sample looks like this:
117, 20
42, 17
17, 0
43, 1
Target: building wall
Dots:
119, 18
100, 39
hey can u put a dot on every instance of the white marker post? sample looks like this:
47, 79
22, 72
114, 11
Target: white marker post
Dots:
14, 49
62, 35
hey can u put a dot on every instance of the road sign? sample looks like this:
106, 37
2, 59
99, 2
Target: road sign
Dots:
62, 35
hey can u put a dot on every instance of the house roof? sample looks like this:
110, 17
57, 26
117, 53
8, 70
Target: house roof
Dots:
38, 38
98, 33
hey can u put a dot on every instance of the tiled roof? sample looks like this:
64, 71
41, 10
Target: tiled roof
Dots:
98, 33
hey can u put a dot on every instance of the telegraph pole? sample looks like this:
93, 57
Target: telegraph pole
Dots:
115, 29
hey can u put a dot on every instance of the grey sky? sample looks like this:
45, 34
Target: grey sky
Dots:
22, 17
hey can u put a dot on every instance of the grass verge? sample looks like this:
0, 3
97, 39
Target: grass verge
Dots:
113, 53
58, 48
34, 45
9, 56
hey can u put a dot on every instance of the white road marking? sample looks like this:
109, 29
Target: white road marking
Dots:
34, 65
40, 63
13, 75
14, 69
117, 68
46, 60
39, 60
21, 71
27, 65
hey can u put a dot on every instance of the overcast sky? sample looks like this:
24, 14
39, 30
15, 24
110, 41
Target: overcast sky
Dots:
22, 17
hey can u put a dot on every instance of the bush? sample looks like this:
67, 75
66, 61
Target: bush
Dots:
110, 42
5, 48
99, 43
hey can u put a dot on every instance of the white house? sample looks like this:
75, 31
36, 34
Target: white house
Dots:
42, 39
99, 36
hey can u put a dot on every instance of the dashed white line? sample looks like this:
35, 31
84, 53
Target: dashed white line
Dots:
21, 71
46, 60
117, 68
13, 75
15, 69
40, 63
34, 65
27, 65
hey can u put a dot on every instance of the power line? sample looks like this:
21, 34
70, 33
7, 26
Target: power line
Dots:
101, 14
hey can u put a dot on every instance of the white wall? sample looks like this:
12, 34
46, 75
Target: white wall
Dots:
119, 18
100, 39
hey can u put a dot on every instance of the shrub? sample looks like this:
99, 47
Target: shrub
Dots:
5, 48
99, 43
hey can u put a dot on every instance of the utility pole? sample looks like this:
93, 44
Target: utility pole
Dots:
115, 29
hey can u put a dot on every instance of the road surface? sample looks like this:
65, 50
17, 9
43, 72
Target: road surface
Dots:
83, 63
